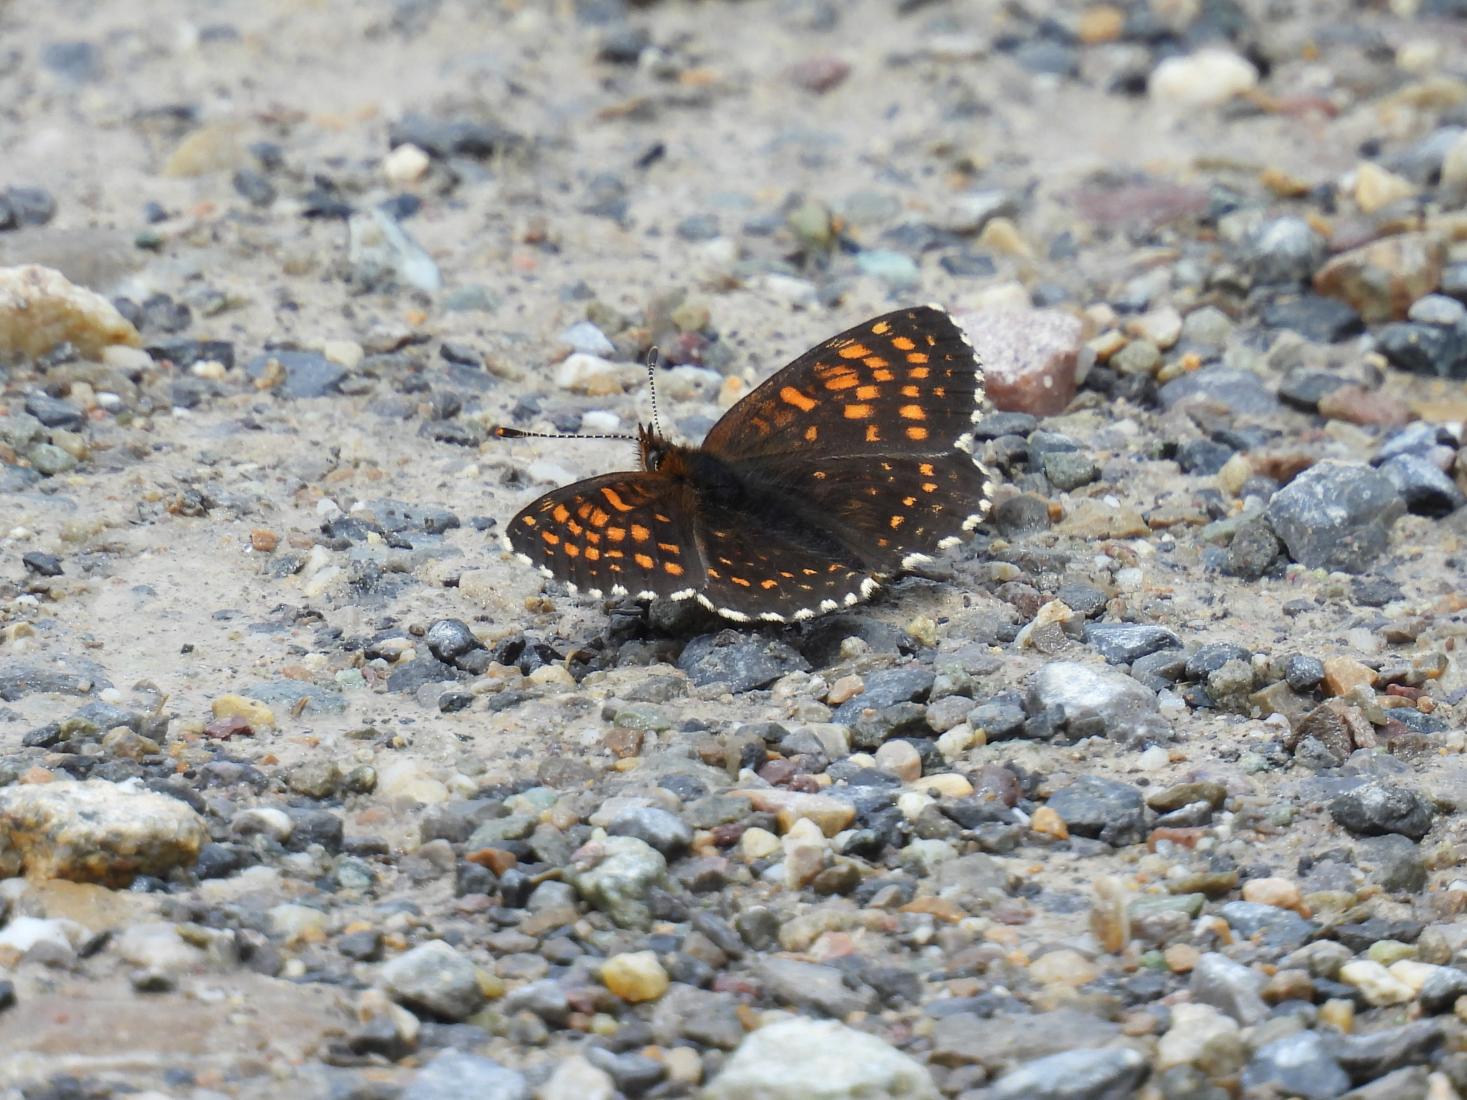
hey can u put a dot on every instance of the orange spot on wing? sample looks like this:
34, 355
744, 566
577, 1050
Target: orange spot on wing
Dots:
714, 574
918, 372
550, 537
669, 548
897, 521
561, 513
857, 412
907, 502
925, 469
916, 433
917, 357
592, 554
929, 486
613, 498
644, 560
875, 361
868, 393
791, 396
673, 568
767, 585
598, 517
855, 351
912, 412
572, 550
881, 328
902, 343
873, 434
842, 381
741, 581
812, 433
882, 375
616, 534
911, 391
528, 521
640, 533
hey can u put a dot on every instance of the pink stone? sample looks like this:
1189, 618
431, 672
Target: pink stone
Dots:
1029, 357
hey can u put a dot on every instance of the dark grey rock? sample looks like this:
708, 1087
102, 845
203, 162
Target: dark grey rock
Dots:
1238, 391
19, 679
698, 1016
25, 206
632, 1073
450, 136
884, 688
1083, 599
1284, 250
1368, 1055
1454, 281
1276, 928
1392, 861
1252, 552
996, 424
1336, 515
966, 1038
1105, 1074
1122, 643
1023, 514
999, 720
450, 639
1203, 456
253, 186
1442, 988
1209, 658
1424, 349
41, 564
76, 60
1420, 438
454, 1075
665, 831
1303, 674
1313, 316
1107, 809
1304, 389
1298, 1065
743, 661
1377, 808
1229, 987
307, 373
54, 412
287, 695
1160, 669
1068, 470
1426, 490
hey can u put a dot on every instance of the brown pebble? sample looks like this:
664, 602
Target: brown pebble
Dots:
818, 74
223, 729
623, 743
496, 859
1359, 405
1343, 674
263, 541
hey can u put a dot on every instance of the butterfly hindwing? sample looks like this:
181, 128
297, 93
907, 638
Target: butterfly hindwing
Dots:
904, 381
623, 533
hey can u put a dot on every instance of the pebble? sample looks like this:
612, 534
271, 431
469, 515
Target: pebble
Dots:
1284, 251
1208, 78
635, 976
295, 374
1298, 1065
40, 309
615, 875
1030, 358
1424, 349
1107, 809
435, 978
381, 252
742, 661
1077, 1073
1376, 984
1335, 515
1123, 643
1375, 808
802, 1059
1229, 987
1380, 280
1426, 490
1098, 700
95, 831
453, 1075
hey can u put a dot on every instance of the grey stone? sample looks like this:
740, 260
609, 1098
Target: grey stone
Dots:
965, 1038
1313, 316
54, 412
434, 977
813, 986
19, 679
1302, 673
307, 373
1280, 929
1424, 349
1426, 490
1284, 250
665, 831
819, 1060
741, 660
1098, 701
884, 688
454, 1075
1238, 391
1377, 808
1160, 669
699, 1016
1411, 1083
1106, 1074
1122, 643
1442, 988
1069, 470
288, 695
382, 253
1367, 1055
1230, 987
449, 639
1336, 515
1252, 552
1437, 309
1107, 809
1299, 1065
624, 870
997, 719
1392, 861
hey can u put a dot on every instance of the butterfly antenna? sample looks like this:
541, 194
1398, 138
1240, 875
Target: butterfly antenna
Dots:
504, 432
654, 355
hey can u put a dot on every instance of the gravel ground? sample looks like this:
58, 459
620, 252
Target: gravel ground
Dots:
308, 790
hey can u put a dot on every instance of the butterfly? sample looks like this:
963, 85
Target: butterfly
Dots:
849, 465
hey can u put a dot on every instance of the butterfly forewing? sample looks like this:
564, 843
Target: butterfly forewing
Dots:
615, 534
904, 381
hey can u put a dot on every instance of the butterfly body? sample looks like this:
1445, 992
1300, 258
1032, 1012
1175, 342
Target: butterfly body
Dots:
849, 465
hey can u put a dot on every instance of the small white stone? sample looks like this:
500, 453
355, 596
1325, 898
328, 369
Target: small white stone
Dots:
406, 164
1377, 984
1207, 78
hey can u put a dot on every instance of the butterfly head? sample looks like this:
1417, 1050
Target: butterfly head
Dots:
652, 446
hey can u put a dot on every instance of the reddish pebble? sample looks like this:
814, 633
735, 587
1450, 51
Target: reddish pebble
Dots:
818, 74
222, 729
1029, 357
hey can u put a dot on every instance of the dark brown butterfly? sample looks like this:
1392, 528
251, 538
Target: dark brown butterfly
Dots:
849, 465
